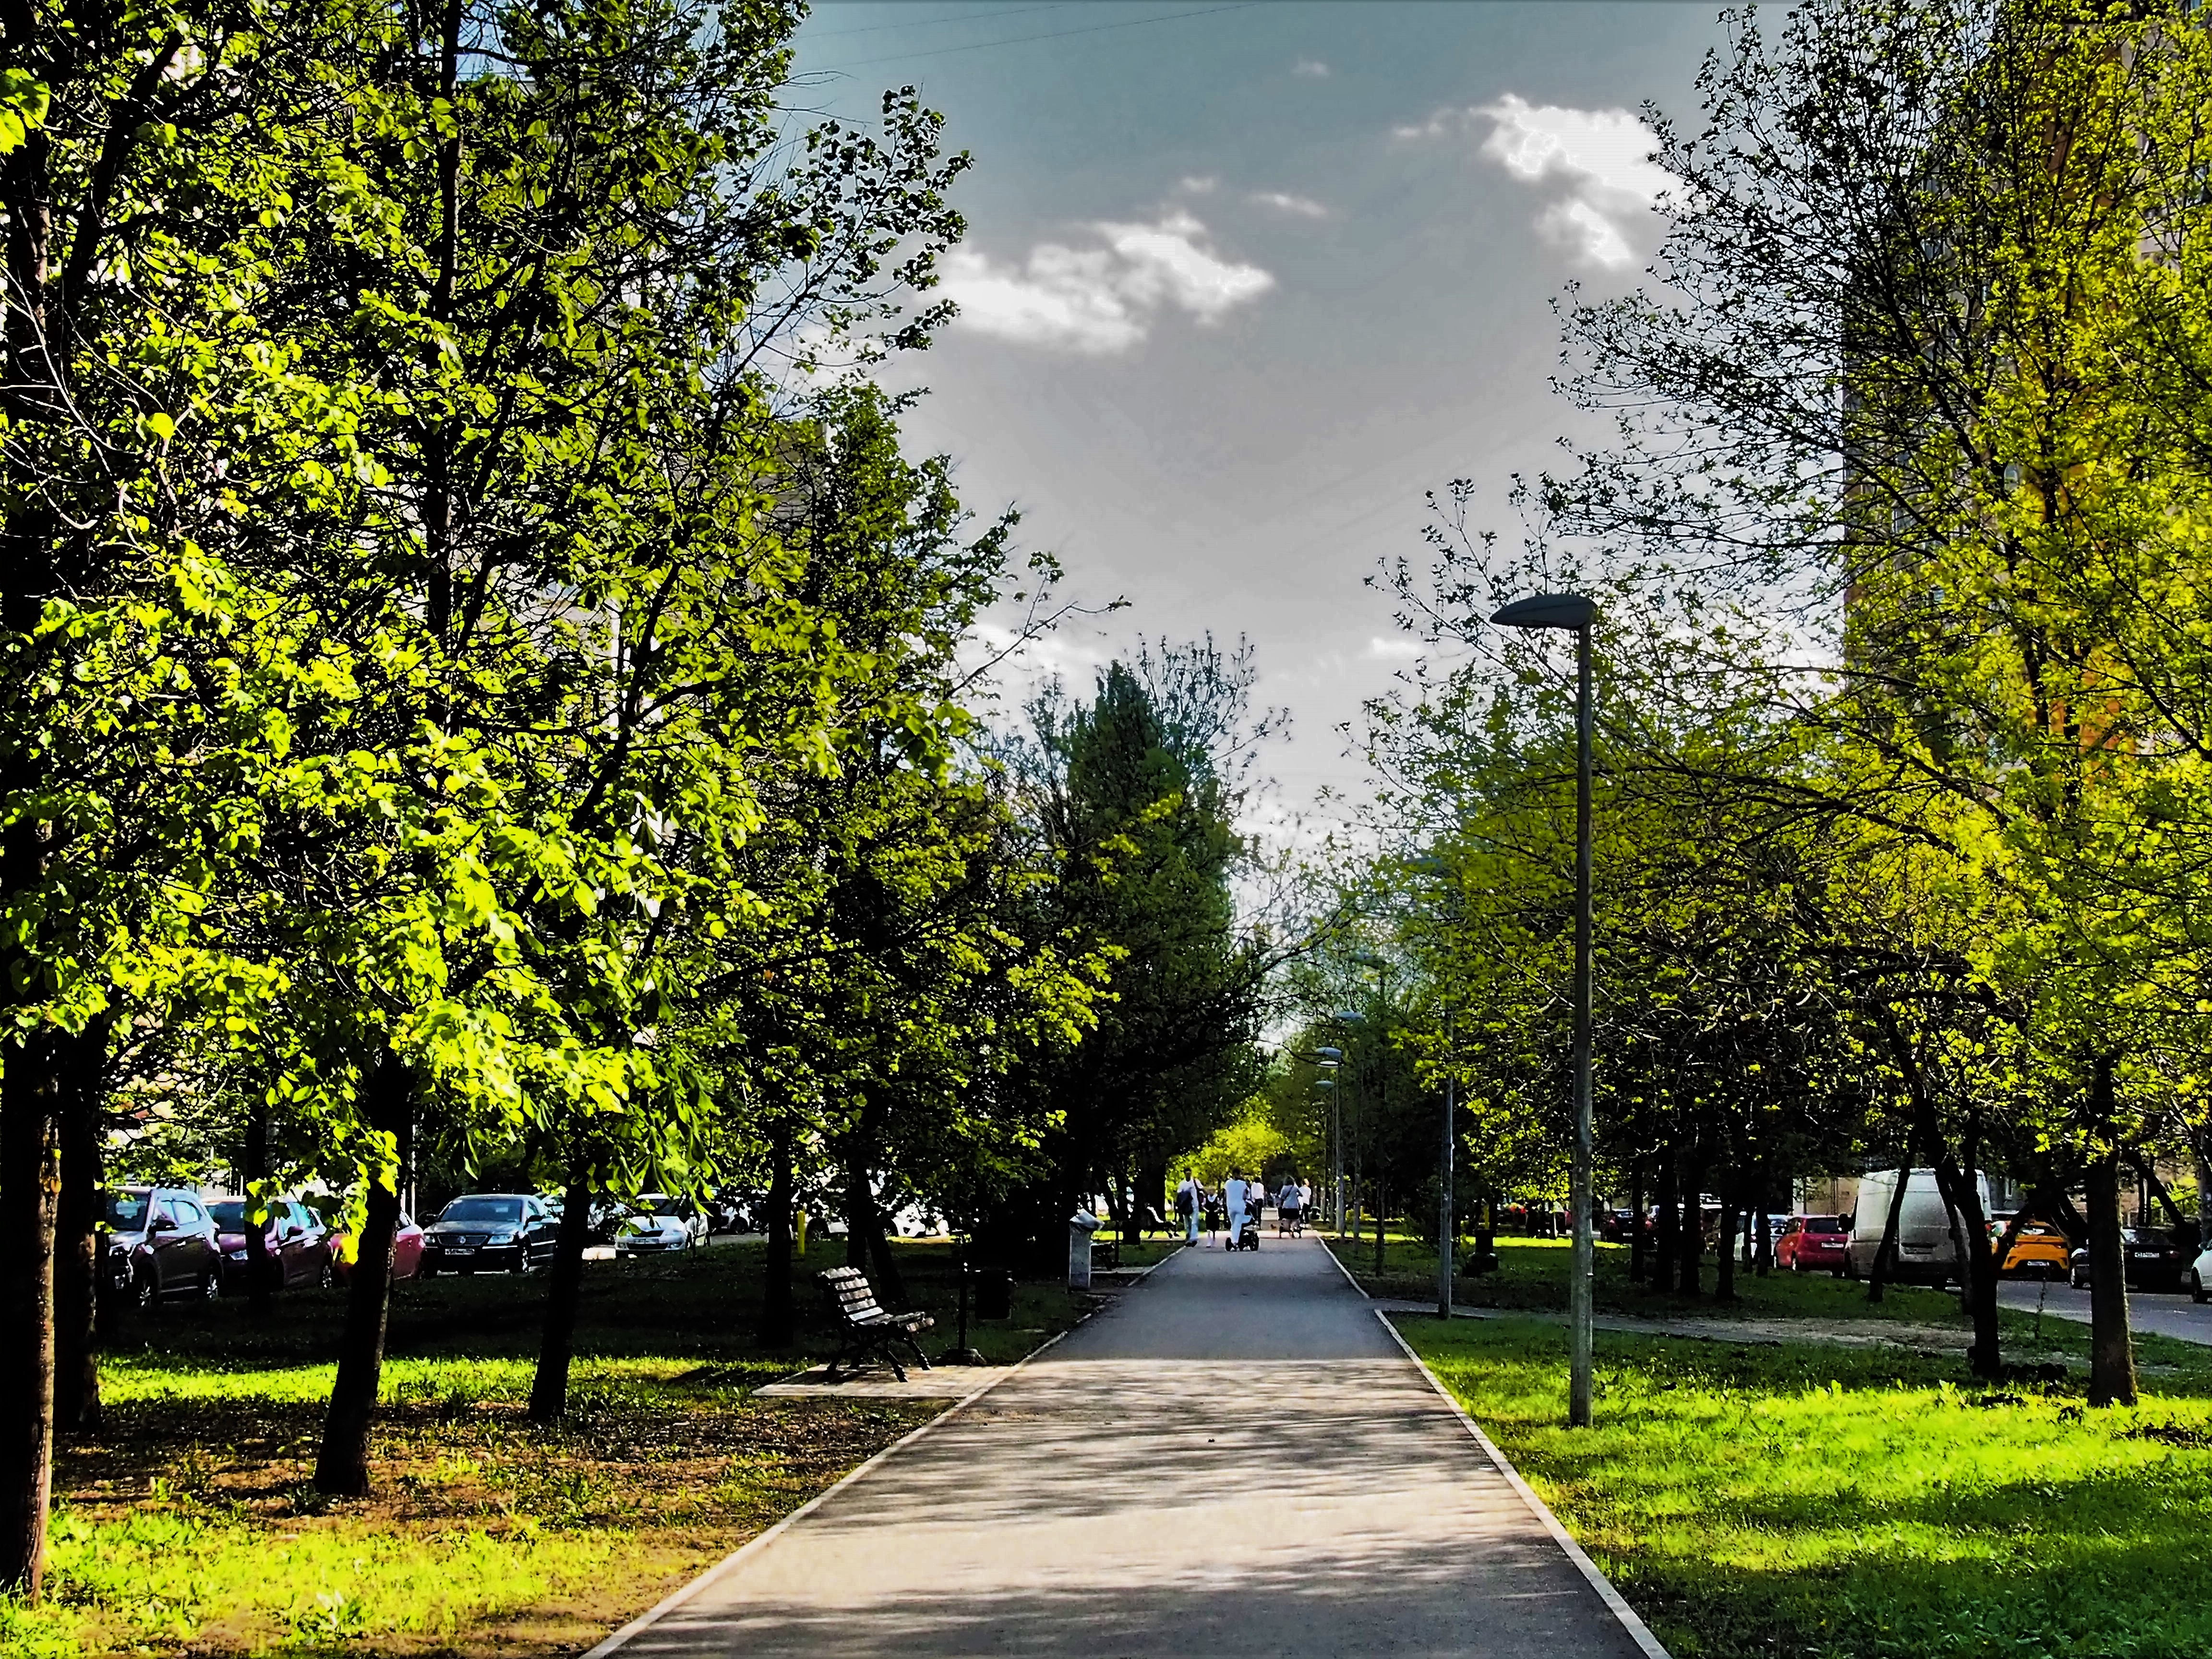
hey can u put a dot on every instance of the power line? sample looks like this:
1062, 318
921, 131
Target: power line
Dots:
932, 22
1054, 34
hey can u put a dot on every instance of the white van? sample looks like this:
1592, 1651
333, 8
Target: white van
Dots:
1927, 1251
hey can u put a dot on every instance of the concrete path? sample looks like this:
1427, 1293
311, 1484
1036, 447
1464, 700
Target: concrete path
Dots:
1232, 1459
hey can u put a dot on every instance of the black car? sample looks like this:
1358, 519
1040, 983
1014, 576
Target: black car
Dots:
161, 1244
2155, 1262
490, 1232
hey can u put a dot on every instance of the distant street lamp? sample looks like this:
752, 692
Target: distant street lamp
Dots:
1346, 1018
1577, 613
1328, 1059
1447, 1222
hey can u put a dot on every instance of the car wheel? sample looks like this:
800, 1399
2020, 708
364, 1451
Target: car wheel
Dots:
2195, 1286
211, 1285
145, 1290
326, 1277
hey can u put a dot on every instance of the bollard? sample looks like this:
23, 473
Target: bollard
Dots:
1080, 1226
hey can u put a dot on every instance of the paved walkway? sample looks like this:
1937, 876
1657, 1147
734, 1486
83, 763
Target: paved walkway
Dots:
1232, 1459
2167, 1313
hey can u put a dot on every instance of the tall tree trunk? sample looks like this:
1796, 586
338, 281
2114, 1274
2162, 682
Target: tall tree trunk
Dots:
1689, 1243
776, 1325
549, 1387
890, 1284
1638, 1250
258, 1273
859, 1207
2112, 1347
2204, 1197
1765, 1238
1962, 1195
1668, 1236
1724, 1263
30, 1189
1885, 1255
1382, 1206
342, 1468
77, 1215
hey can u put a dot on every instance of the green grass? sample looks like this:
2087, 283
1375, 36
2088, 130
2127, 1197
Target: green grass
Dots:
190, 1524
1802, 1502
1532, 1277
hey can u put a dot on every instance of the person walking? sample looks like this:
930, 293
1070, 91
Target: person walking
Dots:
1232, 1200
1289, 1206
1189, 1202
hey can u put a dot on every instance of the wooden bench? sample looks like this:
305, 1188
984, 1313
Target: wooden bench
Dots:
868, 1330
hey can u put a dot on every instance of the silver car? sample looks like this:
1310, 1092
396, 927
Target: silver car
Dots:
654, 1223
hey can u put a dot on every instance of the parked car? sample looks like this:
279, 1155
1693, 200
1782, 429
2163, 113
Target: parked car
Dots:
406, 1251
731, 1211
298, 1243
2039, 1250
491, 1232
1812, 1243
2152, 1261
161, 1244
655, 1222
1927, 1252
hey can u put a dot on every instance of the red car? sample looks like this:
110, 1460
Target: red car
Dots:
299, 1245
406, 1251
1814, 1243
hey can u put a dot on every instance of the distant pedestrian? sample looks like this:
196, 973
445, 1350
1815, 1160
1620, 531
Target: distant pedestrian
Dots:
1232, 1200
1190, 1202
1290, 1208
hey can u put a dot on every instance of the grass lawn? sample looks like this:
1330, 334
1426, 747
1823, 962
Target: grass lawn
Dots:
1802, 1502
1532, 1276
190, 1526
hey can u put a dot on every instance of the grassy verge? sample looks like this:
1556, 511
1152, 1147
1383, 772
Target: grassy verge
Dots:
1532, 1277
1801, 1502
190, 1524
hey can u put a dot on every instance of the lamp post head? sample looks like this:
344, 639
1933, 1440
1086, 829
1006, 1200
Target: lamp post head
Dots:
1548, 611
1347, 1017
1329, 1056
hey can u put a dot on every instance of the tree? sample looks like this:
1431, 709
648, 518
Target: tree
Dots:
1133, 798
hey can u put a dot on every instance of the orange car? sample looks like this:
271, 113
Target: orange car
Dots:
2039, 1250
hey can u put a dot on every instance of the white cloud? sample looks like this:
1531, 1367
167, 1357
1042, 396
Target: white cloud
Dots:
1198, 185
1305, 206
1603, 157
1101, 299
1311, 68
1443, 122
1398, 648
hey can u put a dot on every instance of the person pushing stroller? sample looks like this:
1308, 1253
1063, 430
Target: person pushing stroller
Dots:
1290, 1210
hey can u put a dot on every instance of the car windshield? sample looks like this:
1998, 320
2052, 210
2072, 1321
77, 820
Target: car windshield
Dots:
2141, 1236
126, 1211
507, 1210
1823, 1223
657, 1204
229, 1214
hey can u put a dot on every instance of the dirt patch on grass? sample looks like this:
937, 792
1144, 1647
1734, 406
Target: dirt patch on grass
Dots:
485, 1536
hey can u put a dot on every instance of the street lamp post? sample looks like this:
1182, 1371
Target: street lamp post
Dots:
1447, 1230
1328, 1060
1347, 1019
1577, 613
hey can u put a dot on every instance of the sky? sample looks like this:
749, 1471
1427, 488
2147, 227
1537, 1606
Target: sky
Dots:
1241, 281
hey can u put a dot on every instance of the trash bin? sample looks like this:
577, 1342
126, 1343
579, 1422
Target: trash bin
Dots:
994, 1293
1080, 1226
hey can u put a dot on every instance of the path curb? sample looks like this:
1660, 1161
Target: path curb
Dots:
668, 1604
1638, 1631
